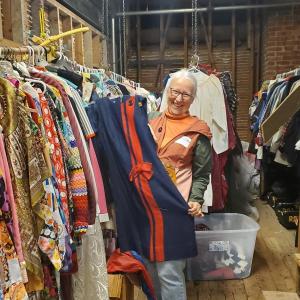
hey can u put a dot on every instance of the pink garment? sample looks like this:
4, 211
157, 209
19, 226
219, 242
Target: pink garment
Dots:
99, 181
16, 231
14, 81
184, 180
87, 167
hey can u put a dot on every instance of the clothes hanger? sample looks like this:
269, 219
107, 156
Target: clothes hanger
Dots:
31, 55
297, 71
193, 66
40, 61
30, 80
22, 67
6, 68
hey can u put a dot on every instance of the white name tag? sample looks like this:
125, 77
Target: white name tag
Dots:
184, 141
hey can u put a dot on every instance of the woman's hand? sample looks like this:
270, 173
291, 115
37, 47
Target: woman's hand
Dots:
195, 209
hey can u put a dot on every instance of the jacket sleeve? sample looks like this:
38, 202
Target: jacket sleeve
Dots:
201, 169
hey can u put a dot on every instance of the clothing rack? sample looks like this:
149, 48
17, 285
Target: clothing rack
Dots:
34, 52
114, 76
119, 78
9, 53
290, 73
78, 66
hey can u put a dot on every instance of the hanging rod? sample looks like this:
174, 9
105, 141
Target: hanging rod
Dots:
204, 9
23, 50
41, 50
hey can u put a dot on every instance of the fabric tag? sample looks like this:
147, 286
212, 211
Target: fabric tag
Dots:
103, 217
14, 270
259, 153
87, 89
91, 230
184, 141
34, 173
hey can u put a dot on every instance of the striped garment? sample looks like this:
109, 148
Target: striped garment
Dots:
82, 116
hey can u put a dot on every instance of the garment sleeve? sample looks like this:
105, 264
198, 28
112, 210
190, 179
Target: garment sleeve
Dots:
201, 169
92, 116
154, 114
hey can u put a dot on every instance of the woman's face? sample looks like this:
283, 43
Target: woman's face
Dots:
180, 96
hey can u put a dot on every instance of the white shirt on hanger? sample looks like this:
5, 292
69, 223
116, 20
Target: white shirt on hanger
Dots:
209, 105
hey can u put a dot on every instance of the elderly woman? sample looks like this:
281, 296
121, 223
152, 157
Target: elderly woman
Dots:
184, 148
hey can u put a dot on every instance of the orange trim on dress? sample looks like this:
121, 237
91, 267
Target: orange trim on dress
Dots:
146, 189
151, 248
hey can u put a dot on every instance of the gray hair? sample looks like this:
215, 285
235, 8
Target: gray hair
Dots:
184, 74
181, 74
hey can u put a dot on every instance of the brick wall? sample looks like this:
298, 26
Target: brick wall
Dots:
281, 42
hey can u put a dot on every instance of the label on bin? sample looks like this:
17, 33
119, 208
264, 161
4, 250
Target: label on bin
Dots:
219, 246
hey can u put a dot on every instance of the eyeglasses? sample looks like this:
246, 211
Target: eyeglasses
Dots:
185, 96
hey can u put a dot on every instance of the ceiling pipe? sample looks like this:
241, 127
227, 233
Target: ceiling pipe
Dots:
204, 9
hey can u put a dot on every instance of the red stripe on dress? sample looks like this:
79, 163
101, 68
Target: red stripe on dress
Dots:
146, 189
151, 246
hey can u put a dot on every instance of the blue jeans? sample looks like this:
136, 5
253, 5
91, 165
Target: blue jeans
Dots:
168, 279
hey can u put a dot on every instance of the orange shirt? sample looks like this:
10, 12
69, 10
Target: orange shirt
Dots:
176, 125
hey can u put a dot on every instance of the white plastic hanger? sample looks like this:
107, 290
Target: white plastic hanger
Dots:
194, 63
31, 55
39, 82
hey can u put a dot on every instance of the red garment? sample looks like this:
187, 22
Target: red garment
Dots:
125, 262
218, 179
56, 156
230, 126
220, 274
31, 104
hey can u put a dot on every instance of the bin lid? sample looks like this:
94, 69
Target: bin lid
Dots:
229, 222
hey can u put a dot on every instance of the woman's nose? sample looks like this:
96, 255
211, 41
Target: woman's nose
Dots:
179, 98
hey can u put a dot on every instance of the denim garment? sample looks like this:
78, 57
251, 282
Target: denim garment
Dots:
168, 279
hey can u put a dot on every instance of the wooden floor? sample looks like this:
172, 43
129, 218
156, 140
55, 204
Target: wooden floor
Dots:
273, 267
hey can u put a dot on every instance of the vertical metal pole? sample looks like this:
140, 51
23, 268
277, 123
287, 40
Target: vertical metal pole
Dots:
138, 54
113, 39
120, 48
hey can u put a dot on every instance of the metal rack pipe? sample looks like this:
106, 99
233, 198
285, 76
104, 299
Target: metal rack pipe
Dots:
204, 9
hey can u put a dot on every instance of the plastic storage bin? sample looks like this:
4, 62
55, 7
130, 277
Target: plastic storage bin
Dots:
226, 250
